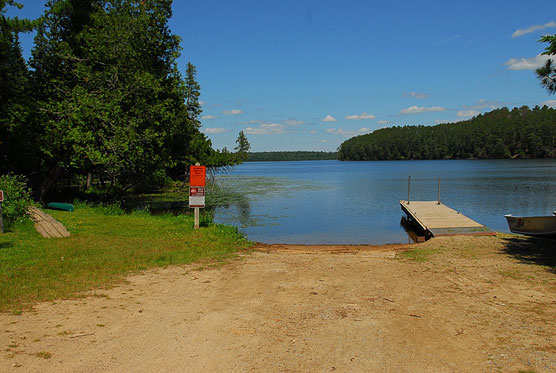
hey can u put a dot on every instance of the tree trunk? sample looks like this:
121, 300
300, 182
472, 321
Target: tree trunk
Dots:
52, 179
89, 181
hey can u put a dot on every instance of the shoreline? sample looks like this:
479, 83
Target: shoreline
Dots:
261, 246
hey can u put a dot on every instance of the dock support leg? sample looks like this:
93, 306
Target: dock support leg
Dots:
408, 188
438, 191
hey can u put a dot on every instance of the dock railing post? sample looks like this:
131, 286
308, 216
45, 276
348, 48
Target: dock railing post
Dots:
408, 188
438, 191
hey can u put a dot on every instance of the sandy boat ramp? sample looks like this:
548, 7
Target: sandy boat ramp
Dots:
468, 307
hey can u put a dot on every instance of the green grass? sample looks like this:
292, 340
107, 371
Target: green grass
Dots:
105, 244
419, 254
43, 355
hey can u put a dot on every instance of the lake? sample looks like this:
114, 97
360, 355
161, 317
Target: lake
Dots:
333, 202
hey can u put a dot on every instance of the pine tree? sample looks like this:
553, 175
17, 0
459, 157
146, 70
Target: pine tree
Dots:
242, 147
193, 89
547, 73
15, 133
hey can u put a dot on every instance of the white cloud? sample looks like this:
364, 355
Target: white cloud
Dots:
421, 109
468, 113
482, 104
202, 103
232, 112
418, 95
477, 108
214, 130
551, 103
382, 122
443, 41
531, 63
443, 121
324, 141
528, 30
208, 117
252, 121
329, 118
360, 116
267, 129
293, 122
342, 132
288, 122
313, 132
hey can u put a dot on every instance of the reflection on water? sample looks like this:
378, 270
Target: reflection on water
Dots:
233, 196
358, 202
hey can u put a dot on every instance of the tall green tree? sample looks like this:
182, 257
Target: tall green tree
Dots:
14, 102
61, 112
111, 98
242, 147
193, 92
14, 24
547, 73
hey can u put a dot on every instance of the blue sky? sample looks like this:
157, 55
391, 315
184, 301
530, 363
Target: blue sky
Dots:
307, 75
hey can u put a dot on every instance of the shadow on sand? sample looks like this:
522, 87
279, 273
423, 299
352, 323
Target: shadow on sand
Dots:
540, 251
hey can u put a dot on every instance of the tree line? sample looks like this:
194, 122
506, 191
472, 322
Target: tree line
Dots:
101, 99
502, 133
290, 156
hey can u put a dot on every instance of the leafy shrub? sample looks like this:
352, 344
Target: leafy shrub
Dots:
17, 198
153, 182
206, 219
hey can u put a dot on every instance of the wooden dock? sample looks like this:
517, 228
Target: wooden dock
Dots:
437, 219
46, 225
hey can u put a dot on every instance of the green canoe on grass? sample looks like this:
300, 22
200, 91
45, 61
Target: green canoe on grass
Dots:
60, 206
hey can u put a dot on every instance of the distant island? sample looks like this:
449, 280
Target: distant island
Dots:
502, 133
290, 156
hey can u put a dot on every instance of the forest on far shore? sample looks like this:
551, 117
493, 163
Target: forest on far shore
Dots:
290, 156
502, 133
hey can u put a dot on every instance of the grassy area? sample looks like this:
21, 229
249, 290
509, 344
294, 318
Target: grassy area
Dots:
419, 254
105, 244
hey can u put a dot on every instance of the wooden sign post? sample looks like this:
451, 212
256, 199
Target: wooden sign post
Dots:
197, 183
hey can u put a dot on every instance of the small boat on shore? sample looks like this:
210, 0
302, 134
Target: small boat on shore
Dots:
60, 206
541, 226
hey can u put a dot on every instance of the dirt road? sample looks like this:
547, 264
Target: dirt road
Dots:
465, 304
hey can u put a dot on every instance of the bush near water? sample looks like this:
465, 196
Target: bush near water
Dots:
17, 198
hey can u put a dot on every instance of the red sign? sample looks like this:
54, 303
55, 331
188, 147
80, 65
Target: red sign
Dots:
1, 196
197, 175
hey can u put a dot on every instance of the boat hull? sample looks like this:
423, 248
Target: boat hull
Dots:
544, 226
60, 206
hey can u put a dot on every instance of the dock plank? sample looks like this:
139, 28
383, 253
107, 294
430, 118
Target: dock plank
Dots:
46, 225
440, 220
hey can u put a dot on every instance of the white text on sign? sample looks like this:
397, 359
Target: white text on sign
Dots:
196, 196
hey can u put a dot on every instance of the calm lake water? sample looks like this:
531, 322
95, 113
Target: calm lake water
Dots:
332, 202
